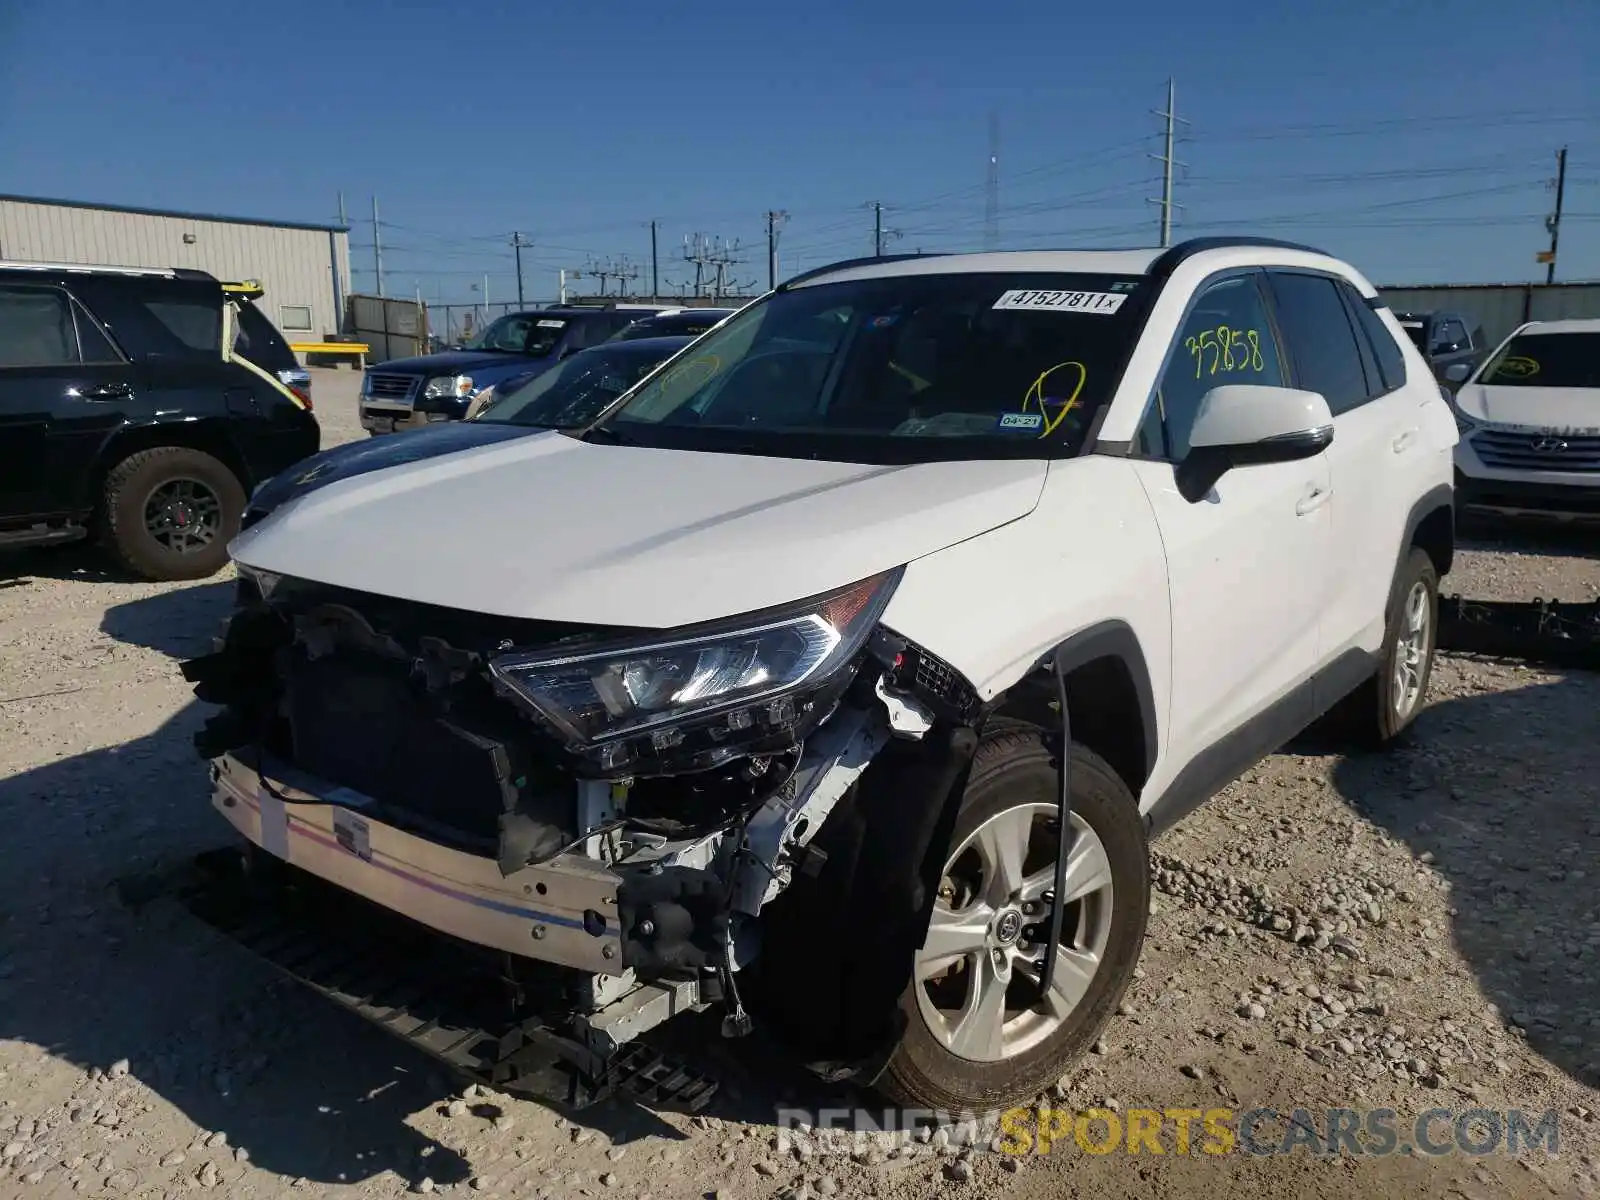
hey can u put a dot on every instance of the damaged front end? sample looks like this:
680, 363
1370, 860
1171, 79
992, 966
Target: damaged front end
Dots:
610, 807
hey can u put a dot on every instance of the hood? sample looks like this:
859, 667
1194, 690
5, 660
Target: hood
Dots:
549, 527
1545, 409
454, 362
376, 454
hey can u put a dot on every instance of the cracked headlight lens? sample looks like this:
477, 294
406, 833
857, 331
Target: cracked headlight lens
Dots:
737, 677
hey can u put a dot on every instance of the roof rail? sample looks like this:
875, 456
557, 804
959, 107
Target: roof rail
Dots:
87, 268
1183, 251
847, 263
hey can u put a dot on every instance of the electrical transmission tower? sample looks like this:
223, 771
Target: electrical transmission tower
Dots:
991, 191
711, 259
1170, 116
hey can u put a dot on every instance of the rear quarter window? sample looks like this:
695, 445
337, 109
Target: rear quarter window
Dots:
172, 319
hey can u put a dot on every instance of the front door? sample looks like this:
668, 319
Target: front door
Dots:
63, 387
1248, 564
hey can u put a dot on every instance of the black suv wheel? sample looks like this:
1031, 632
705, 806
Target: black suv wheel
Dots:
170, 513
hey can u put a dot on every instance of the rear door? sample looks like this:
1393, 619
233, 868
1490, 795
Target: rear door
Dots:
1331, 352
63, 387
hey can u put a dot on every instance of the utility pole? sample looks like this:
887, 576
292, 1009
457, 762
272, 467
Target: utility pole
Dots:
377, 246
1170, 116
991, 191
877, 229
1553, 221
655, 265
774, 220
516, 245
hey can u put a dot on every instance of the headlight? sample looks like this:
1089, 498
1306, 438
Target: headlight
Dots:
731, 684
451, 387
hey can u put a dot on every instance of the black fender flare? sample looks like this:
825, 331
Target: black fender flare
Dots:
1440, 497
209, 433
1114, 639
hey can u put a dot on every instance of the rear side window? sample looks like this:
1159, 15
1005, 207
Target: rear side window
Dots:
1321, 344
1391, 363
160, 318
36, 328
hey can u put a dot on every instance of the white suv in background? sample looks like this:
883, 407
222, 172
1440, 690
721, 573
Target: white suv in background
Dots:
1530, 424
762, 679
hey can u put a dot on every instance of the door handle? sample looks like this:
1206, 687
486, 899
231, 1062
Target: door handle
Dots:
1314, 499
108, 391
1403, 443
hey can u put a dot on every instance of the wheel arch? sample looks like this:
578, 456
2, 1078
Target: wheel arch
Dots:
1110, 699
207, 436
1431, 527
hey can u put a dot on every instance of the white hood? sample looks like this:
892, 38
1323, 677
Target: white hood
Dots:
1546, 409
552, 528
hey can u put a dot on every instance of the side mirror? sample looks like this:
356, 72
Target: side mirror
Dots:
1247, 424
1457, 372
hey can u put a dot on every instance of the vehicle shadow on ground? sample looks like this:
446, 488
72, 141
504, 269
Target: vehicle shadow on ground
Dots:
309, 1090
1490, 788
76, 560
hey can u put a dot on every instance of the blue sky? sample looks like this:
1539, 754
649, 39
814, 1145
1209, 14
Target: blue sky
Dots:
1416, 139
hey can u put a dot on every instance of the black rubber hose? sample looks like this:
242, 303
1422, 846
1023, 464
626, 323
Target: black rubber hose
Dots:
1064, 836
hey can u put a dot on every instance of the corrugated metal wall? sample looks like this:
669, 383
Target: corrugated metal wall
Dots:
1500, 307
294, 265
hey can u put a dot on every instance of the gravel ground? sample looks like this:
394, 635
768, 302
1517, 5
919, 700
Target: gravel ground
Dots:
1409, 931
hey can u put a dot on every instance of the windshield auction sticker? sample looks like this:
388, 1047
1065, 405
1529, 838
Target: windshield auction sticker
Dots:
1101, 304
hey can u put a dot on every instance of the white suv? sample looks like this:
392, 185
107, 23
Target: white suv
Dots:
1530, 423
761, 680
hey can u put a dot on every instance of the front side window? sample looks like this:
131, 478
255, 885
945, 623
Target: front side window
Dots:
1564, 360
36, 328
901, 368
1320, 341
1226, 338
572, 394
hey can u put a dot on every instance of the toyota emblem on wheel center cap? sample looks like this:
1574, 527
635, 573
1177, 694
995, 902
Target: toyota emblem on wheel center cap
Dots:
1008, 926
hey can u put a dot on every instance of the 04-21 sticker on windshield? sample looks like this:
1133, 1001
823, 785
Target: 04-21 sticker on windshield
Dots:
1100, 304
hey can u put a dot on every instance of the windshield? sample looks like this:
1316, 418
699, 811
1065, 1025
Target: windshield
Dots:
576, 392
899, 369
520, 333
1564, 360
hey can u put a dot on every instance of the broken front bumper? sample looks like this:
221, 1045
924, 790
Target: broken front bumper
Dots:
562, 912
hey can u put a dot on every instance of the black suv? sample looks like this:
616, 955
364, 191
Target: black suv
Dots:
1452, 343
141, 406
405, 393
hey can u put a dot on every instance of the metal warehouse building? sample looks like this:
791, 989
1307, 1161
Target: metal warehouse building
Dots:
305, 269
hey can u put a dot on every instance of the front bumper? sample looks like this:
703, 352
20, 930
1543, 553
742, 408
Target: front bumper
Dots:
1528, 498
562, 912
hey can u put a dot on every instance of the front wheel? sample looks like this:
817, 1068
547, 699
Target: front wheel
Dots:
979, 1032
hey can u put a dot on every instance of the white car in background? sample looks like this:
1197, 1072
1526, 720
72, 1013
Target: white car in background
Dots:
1530, 424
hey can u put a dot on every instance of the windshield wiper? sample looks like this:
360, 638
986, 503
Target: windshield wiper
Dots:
604, 433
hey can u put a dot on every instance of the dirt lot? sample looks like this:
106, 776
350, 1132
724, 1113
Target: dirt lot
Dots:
1416, 931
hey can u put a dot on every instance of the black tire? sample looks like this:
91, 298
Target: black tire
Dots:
1013, 767
135, 481
1370, 718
